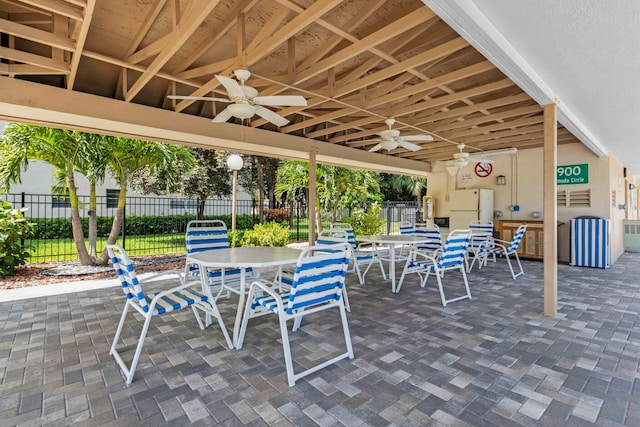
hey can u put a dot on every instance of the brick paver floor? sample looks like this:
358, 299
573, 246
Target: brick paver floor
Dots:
491, 360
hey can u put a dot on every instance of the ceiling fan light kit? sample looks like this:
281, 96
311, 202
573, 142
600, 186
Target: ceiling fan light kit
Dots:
242, 111
390, 139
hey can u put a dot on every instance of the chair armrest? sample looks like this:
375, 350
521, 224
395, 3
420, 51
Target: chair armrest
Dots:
267, 287
179, 273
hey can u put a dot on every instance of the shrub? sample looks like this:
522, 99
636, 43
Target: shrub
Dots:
267, 234
13, 228
235, 238
366, 222
277, 215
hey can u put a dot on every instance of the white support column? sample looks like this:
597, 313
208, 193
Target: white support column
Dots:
312, 195
550, 254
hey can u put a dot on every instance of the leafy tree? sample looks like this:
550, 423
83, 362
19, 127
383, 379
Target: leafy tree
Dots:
206, 175
337, 187
402, 187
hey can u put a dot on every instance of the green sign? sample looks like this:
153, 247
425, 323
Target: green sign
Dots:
572, 174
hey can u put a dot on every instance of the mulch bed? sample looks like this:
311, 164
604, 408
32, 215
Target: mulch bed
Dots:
44, 273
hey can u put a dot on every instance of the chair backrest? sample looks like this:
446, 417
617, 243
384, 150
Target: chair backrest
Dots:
406, 228
127, 275
343, 226
455, 248
432, 232
332, 237
318, 278
480, 231
517, 238
203, 235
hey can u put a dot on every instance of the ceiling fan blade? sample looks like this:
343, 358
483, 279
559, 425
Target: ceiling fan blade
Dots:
480, 160
281, 100
417, 137
199, 98
222, 116
232, 86
271, 116
375, 148
408, 145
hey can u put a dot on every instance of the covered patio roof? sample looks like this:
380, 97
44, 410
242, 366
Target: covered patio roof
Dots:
109, 66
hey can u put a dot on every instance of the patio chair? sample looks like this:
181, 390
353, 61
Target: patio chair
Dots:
154, 304
361, 258
317, 285
504, 248
406, 229
325, 240
432, 232
481, 237
205, 235
451, 258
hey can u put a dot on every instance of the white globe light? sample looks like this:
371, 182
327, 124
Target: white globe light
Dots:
234, 162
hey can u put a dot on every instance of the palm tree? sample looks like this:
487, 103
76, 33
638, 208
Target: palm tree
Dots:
63, 149
130, 155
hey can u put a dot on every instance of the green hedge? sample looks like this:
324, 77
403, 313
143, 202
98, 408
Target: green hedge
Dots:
60, 228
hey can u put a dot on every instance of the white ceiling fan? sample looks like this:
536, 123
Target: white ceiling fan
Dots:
245, 102
463, 158
390, 139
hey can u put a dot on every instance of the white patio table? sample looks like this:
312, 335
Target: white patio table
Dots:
241, 258
391, 240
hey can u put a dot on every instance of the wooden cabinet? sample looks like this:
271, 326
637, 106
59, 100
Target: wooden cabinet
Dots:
532, 243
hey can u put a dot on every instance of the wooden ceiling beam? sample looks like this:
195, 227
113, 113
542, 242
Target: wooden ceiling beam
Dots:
80, 41
335, 39
38, 60
204, 47
405, 23
522, 111
197, 12
36, 35
147, 22
295, 25
57, 6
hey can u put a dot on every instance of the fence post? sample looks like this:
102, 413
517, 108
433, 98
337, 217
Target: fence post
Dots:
387, 209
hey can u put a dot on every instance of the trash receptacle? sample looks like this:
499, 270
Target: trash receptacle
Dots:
590, 242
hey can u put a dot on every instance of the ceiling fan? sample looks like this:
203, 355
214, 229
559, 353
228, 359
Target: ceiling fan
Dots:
245, 102
463, 158
390, 139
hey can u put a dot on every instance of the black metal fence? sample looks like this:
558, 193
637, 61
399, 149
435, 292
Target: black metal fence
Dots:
156, 225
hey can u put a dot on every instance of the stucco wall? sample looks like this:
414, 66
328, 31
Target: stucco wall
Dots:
523, 187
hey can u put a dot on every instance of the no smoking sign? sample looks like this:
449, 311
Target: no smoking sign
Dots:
483, 170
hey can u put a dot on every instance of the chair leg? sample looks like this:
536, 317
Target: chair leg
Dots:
345, 295
466, 282
195, 312
286, 348
404, 272
356, 268
130, 371
513, 274
519, 265
119, 330
440, 288
345, 329
248, 311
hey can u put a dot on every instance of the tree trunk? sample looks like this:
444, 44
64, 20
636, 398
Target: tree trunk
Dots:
260, 190
201, 204
115, 226
76, 224
93, 221
318, 216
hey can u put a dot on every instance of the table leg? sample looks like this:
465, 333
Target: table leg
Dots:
238, 322
392, 266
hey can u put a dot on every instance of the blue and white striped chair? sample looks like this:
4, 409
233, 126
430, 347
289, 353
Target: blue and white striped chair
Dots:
361, 258
154, 304
406, 229
205, 235
326, 239
317, 285
451, 258
481, 238
432, 232
504, 248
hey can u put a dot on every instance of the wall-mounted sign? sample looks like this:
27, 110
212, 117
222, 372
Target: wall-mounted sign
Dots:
483, 170
572, 174
466, 178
